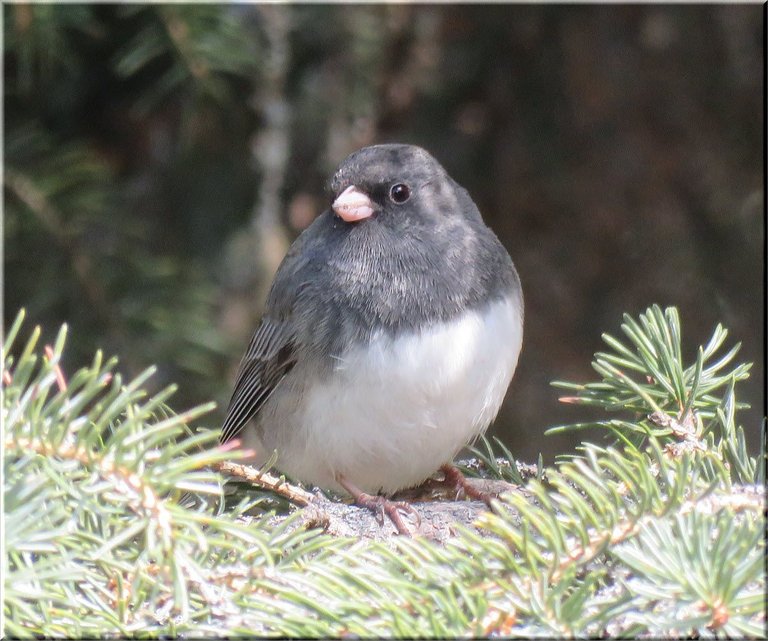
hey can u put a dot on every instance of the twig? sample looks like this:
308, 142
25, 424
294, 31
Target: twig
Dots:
268, 481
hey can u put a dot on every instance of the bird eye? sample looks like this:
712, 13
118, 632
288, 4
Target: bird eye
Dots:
399, 193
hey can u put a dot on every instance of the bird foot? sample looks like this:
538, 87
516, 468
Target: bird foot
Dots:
454, 479
381, 505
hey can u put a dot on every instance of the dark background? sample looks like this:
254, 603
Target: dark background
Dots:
160, 159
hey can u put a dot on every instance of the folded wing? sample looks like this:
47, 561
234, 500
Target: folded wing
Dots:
270, 356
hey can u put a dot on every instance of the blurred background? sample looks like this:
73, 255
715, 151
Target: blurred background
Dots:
160, 159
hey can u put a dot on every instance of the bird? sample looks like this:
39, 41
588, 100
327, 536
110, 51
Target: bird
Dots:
390, 334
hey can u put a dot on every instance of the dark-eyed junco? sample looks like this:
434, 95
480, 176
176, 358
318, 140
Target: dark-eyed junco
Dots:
391, 331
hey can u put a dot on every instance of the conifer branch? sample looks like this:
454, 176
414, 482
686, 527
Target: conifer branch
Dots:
635, 538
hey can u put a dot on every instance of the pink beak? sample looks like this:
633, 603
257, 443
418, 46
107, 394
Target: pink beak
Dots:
352, 205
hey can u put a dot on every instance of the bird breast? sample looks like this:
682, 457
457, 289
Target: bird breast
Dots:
392, 411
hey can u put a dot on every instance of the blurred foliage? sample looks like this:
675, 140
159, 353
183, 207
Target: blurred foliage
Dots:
157, 157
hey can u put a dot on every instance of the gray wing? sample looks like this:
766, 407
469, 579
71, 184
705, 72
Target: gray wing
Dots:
270, 356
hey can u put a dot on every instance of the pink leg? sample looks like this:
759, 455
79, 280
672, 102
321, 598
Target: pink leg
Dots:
380, 505
455, 479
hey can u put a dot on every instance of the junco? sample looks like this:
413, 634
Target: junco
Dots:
390, 336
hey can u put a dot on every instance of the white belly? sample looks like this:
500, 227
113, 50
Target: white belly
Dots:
392, 413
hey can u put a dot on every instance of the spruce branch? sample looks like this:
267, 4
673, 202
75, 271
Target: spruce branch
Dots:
666, 398
624, 540
666, 386
99, 467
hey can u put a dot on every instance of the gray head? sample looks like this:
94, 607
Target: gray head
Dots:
402, 245
397, 184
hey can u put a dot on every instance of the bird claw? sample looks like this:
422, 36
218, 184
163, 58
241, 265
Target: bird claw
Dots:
455, 479
381, 505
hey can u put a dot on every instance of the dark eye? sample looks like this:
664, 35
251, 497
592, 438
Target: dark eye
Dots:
399, 193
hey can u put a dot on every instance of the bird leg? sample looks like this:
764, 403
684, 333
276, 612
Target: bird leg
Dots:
454, 479
381, 505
